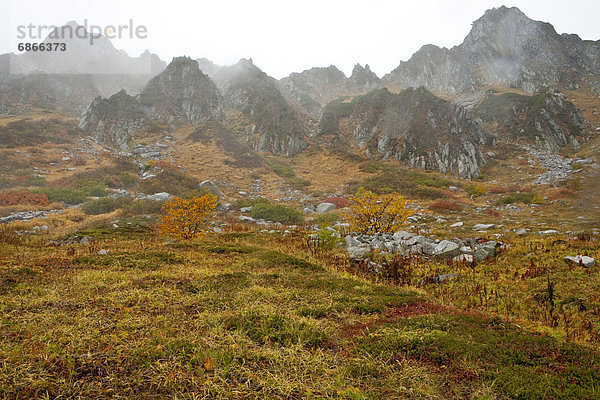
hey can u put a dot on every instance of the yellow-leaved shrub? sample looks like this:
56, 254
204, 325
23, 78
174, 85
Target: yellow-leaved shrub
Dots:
370, 213
187, 219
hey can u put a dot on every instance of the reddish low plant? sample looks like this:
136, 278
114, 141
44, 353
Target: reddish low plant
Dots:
504, 189
23, 197
340, 202
561, 193
492, 213
445, 205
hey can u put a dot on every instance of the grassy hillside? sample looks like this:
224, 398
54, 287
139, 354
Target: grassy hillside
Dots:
248, 315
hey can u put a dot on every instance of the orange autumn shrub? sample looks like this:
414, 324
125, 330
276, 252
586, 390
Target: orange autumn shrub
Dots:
23, 197
370, 213
185, 219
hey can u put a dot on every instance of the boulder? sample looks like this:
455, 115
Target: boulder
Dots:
163, 196
485, 251
391, 247
428, 248
483, 227
584, 261
325, 207
457, 224
358, 252
86, 240
415, 250
402, 235
375, 243
208, 186
549, 232
442, 278
351, 242
420, 239
446, 249
410, 242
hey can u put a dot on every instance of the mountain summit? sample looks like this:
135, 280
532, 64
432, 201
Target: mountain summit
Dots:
504, 47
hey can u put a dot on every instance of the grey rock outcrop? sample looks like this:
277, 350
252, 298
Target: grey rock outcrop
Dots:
179, 94
546, 120
468, 251
113, 120
315, 87
414, 126
363, 79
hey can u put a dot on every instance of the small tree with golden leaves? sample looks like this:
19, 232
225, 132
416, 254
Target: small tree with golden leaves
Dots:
371, 213
187, 219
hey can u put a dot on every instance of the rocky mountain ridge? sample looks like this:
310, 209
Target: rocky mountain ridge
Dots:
504, 47
183, 94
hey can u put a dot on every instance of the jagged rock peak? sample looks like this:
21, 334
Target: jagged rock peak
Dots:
363, 79
183, 89
363, 73
508, 32
182, 62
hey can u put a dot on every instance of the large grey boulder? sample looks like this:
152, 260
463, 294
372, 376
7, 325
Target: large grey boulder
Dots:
358, 252
585, 261
209, 186
446, 249
485, 251
325, 207
402, 235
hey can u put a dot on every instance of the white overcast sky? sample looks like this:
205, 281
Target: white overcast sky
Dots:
290, 36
